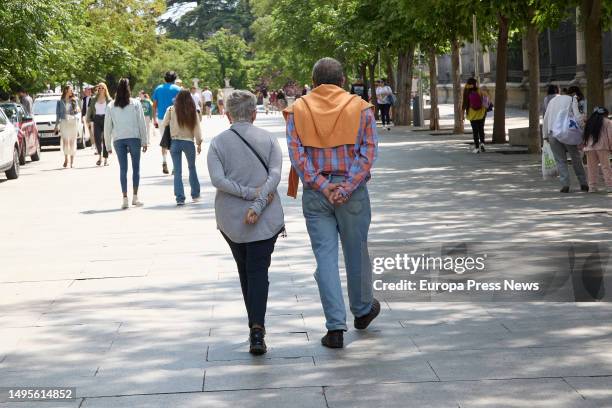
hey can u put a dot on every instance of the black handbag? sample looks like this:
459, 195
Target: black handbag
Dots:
166, 139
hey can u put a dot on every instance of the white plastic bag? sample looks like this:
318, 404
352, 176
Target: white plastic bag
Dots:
549, 165
566, 128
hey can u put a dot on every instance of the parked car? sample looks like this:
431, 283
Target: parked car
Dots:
9, 148
44, 115
29, 142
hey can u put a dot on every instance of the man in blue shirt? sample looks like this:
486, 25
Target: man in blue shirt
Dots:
163, 98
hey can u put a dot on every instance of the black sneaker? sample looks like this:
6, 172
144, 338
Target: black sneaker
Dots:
364, 321
333, 339
565, 189
584, 188
165, 168
257, 342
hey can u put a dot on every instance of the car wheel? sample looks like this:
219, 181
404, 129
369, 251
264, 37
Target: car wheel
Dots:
22, 154
13, 172
36, 156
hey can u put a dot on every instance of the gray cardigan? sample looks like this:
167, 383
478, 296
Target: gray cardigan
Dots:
237, 174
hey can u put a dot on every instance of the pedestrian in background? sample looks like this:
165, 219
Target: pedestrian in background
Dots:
87, 92
67, 123
95, 114
125, 130
359, 88
383, 93
220, 102
281, 100
553, 90
147, 110
597, 145
475, 112
184, 129
26, 101
163, 98
557, 111
247, 206
333, 143
197, 100
207, 97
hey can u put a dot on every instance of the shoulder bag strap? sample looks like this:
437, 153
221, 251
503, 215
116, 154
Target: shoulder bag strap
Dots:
263, 163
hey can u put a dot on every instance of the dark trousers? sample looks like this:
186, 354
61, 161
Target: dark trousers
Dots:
99, 135
253, 260
478, 131
384, 113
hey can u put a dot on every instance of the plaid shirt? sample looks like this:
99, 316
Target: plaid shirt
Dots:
352, 161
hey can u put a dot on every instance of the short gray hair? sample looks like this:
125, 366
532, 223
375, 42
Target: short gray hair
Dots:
241, 105
327, 71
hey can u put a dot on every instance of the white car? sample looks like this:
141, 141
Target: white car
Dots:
9, 148
44, 115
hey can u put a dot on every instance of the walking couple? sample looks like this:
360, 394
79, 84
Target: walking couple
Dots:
332, 143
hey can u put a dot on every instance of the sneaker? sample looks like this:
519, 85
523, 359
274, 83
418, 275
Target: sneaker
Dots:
257, 344
165, 168
363, 322
389, 128
565, 189
584, 188
126, 204
180, 203
136, 202
476, 150
195, 199
482, 148
333, 339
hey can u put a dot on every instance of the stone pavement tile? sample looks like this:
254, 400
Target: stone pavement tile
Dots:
537, 393
27, 297
116, 268
361, 343
399, 395
597, 390
48, 348
135, 379
280, 345
454, 327
519, 363
259, 372
54, 378
20, 319
230, 318
289, 397
19, 271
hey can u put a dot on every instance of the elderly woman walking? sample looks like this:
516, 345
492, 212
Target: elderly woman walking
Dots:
244, 163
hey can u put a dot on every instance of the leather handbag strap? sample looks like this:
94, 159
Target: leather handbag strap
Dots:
253, 150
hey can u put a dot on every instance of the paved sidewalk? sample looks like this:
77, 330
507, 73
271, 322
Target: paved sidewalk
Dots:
142, 308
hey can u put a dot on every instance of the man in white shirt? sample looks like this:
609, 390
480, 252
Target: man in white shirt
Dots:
208, 97
197, 100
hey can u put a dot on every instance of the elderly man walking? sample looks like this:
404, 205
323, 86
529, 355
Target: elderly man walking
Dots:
332, 145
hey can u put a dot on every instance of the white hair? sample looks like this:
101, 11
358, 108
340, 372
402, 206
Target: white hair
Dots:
241, 105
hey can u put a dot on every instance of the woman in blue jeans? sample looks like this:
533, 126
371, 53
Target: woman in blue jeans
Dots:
125, 129
184, 123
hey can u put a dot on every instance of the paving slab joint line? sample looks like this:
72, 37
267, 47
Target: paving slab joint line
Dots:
82, 402
203, 380
574, 388
434, 371
325, 396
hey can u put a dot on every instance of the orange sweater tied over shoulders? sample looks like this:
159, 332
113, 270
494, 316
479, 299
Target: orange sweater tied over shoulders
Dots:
326, 117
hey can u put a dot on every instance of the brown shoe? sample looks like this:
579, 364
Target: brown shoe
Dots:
333, 339
364, 321
165, 168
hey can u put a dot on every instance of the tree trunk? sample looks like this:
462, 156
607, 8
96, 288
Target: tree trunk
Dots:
389, 66
434, 120
533, 56
499, 113
405, 61
363, 72
371, 69
592, 15
456, 75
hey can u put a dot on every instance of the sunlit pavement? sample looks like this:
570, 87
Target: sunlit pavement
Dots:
142, 307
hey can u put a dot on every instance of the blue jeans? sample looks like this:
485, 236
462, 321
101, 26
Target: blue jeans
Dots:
351, 221
123, 147
177, 148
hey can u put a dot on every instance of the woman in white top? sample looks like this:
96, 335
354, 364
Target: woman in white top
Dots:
125, 129
95, 115
383, 94
66, 123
